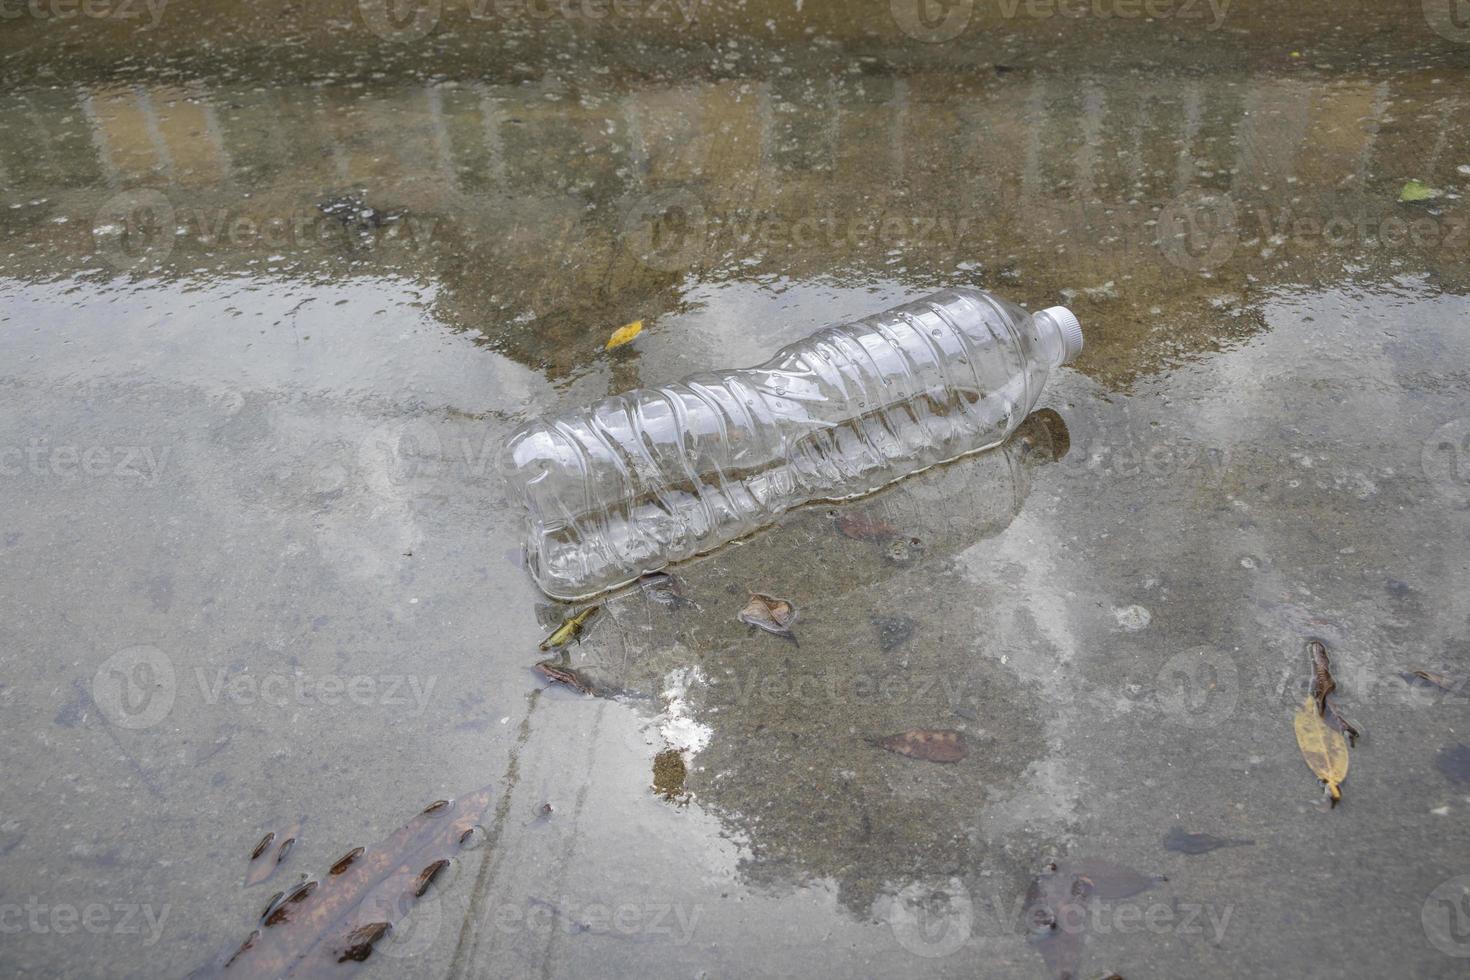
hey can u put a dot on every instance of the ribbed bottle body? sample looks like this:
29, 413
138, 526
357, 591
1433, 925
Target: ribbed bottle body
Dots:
656, 475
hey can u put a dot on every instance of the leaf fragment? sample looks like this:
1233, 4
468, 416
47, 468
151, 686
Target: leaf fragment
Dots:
666, 590
1449, 683
929, 744
1325, 750
769, 613
865, 527
624, 334
1417, 190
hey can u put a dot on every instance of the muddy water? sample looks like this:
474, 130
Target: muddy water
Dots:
276, 286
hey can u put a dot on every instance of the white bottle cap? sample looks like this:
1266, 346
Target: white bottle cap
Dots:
1070, 329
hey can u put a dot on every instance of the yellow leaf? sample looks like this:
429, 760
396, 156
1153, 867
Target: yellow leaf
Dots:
1325, 750
624, 334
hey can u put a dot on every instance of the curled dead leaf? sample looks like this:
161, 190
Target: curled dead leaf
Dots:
769, 613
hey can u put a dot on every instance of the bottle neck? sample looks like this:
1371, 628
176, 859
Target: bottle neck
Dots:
1059, 333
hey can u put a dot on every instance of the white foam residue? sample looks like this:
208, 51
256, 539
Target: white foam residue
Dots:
676, 725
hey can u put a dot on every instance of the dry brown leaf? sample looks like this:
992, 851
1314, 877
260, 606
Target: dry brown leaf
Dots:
1322, 682
1323, 685
931, 745
1325, 750
769, 613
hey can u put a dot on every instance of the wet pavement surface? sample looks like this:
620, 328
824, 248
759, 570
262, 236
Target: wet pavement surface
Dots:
278, 282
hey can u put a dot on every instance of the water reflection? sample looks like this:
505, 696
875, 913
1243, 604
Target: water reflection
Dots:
550, 211
876, 653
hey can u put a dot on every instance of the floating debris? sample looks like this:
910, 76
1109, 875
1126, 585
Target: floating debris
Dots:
310, 930
269, 855
893, 631
669, 773
666, 590
559, 671
1177, 839
571, 629
624, 334
903, 551
929, 744
771, 614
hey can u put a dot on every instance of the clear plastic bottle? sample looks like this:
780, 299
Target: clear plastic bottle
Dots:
656, 475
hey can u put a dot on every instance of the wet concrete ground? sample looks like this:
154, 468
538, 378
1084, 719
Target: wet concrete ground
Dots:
277, 285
